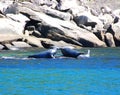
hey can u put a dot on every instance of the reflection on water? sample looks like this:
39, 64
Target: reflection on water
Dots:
97, 75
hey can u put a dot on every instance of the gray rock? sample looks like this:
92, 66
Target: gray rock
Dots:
109, 40
116, 30
13, 8
8, 26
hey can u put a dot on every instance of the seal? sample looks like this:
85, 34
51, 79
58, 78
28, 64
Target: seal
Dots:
68, 52
45, 54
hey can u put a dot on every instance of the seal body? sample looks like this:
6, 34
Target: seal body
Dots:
45, 54
70, 52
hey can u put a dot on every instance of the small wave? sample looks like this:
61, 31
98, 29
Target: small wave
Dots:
16, 58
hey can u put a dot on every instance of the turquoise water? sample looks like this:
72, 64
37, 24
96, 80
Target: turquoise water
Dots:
97, 75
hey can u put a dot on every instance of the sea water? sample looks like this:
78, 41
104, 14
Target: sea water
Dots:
97, 75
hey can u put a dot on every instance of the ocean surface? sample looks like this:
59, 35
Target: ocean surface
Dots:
97, 75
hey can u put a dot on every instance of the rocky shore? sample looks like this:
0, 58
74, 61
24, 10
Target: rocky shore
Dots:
44, 23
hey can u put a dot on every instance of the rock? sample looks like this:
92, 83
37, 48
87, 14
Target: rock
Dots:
50, 3
4, 38
20, 44
25, 8
116, 32
1, 47
4, 4
109, 40
75, 11
50, 43
106, 19
116, 29
8, 26
116, 13
46, 44
106, 10
2, 16
18, 18
90, 40
67, 4
100, 35
9, 46
13, 8
35, 42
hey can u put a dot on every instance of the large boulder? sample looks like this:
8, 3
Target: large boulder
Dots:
109, 40
116, 32
8, 26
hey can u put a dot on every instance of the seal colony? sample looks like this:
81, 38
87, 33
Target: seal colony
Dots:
67, 52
